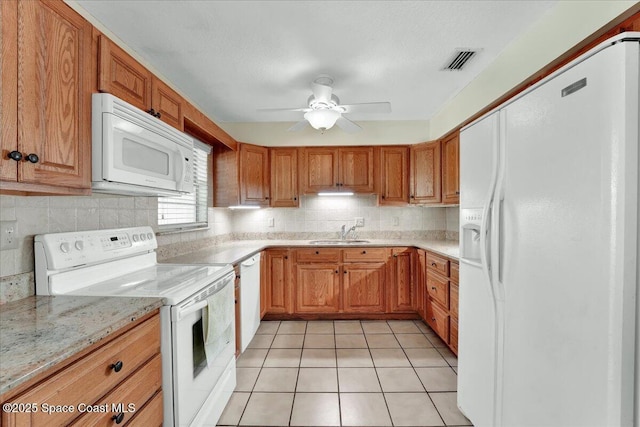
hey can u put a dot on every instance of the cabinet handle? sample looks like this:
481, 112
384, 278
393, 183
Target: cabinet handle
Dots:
118, 418
433, 264
33, 158
117, 367
433, 288
158, 114
237, 276
152, 112
15, 155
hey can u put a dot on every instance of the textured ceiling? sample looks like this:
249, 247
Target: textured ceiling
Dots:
233, 57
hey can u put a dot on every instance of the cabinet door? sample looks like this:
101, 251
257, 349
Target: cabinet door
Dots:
278, 286
317, 288
121, 75
438, 318
8, 89
356, 169
364, 287
394, 175
54, 94
425, 173
451, 169
168, 104
320, 169
402, 292
421, 282
254, 175
284, 177
278, 267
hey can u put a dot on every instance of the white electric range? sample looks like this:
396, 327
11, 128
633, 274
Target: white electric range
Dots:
197, 381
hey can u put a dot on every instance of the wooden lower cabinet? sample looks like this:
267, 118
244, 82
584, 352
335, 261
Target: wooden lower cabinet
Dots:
278, 285
421, 282
402, 283
92, 379
438, 318
364, 287
317, 288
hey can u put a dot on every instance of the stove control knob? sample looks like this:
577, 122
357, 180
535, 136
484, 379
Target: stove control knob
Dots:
143, 237
79, 245
64, 247
149, 236
135, 238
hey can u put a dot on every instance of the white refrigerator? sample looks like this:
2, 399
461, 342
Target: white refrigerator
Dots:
549, 250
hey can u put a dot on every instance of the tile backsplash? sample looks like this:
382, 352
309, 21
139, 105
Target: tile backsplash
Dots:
319, 216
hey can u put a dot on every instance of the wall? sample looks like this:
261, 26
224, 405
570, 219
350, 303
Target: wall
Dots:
321, 217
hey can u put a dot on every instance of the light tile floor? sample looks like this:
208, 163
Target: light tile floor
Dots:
345, 373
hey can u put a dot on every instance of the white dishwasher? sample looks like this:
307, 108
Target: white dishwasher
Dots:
249, 299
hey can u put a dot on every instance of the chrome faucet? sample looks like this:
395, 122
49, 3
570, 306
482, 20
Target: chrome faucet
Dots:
344, 231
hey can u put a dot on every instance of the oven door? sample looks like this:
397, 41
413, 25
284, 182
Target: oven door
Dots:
133, 154
195, 377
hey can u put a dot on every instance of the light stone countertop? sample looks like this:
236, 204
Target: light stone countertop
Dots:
237, 251
39, 332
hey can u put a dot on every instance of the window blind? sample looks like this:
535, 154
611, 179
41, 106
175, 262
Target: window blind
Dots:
188, 210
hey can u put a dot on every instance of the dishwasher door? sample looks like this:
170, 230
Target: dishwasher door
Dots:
249, 299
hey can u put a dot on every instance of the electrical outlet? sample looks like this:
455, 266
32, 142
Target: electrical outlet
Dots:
271, 222
8, 235
359, 221
396, 221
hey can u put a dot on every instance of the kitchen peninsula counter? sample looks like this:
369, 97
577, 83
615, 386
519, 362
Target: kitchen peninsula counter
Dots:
39, 332
234, 252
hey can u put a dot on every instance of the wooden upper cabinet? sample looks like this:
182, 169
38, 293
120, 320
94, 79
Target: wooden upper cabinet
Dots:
284, 177
356, 169
121, 75
393, 174
319, 169
337, 169
451, 169
46, 98
167, 104
254, 175
425, 184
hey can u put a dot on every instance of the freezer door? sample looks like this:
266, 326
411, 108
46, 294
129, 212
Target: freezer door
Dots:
568, 251
477, 321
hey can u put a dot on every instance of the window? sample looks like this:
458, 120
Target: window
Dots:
188, 210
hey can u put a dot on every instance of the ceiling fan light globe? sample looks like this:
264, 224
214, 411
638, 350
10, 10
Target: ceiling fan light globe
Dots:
322, 119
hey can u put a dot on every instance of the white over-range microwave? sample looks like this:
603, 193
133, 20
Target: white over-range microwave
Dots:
134, 153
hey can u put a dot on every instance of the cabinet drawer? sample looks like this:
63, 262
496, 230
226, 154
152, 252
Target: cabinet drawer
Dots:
453, 299
135, 391
150, 415
318, 255
365, 255
453, 335
438, 288
91, 377
454, 272
438, 319
438, 263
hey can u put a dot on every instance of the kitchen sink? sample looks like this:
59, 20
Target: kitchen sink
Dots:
338, 242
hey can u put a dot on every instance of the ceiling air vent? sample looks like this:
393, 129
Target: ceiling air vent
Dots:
460, 59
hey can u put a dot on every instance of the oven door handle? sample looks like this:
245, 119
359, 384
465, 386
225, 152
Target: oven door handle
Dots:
179, 314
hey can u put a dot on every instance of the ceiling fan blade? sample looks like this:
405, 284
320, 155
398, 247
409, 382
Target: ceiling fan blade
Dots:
347, 125
298, 126
266, 110
368, 107
321, 92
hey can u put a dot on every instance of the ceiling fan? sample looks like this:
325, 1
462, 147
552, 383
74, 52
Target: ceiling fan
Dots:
324, 109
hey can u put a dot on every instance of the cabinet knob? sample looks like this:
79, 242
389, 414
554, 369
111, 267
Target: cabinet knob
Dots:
158, 114
364, 252
395, 255
317, 252
383, 197
33, 158
412, 196
286, 257
237, 276
152, 112
457, 192
118, 418
266, 198
433, 264
433, 288
117, 367
345, 272
433, 319
337, 271
295, 198
15, 155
